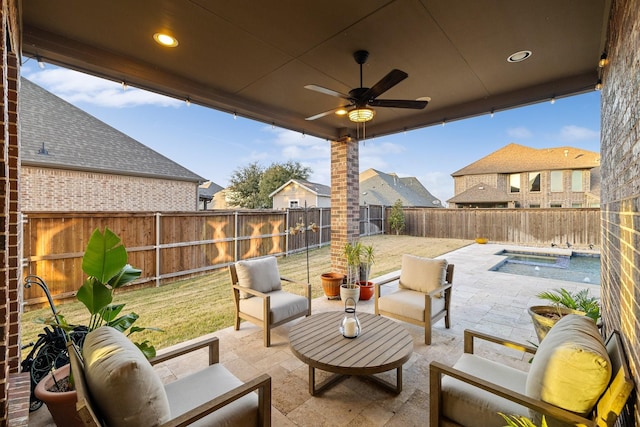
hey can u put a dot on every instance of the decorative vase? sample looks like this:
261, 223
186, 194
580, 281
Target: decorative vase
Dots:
61, 404
366, 290
331, 284
545, 316
350, 291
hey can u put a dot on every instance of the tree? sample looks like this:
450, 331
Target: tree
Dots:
396, 217
245, 186
251, 185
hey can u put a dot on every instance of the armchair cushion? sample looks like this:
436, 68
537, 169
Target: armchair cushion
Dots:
409, 303
571, 367
283, 306
124, 385
258, 274
422, 274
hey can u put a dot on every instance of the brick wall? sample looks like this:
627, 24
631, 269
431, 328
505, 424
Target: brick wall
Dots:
620, 195
46, 190
10, 227
345, 209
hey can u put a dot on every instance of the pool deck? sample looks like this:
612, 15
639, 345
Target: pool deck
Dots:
484, 300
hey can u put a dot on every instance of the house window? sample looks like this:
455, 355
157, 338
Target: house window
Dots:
514, 182
534, 181
556, 205
534, 205
293, 204
576, 205
556, 181
576, 181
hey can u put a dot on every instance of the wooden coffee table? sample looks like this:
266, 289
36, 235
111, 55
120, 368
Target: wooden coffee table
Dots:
382, 345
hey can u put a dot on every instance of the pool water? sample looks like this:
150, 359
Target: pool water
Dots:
583, 268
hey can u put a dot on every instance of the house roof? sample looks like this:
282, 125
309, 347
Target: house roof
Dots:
481, 193
320, 190
515, 158
56, 134
379, 188
206, 190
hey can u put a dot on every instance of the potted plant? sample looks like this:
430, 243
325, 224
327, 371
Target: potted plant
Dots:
105, 264
367, 259
351, 289
562, 302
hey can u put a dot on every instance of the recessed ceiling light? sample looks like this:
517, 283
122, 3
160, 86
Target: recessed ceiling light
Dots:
165, 40
519, 56
341, 112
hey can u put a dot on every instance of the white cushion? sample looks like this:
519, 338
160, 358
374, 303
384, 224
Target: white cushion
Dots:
283, 306
571, 367
408, 303
261, 275
200, 387
422, 274
123, 384
470, 406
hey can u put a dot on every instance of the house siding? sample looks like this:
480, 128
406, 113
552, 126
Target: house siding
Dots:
47, 189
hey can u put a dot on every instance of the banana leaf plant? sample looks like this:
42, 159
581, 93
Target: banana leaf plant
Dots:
105, 262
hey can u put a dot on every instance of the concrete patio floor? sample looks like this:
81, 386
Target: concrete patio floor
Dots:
484, 300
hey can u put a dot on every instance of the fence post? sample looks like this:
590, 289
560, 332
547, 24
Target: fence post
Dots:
286, 232
320, 229
157, 244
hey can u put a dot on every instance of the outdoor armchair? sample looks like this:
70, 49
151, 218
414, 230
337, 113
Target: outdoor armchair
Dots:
117, 386
258, 296
574, 379
423, 294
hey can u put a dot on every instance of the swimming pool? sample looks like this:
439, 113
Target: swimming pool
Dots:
579, 267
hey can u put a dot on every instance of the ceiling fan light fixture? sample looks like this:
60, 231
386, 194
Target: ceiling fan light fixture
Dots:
361, 115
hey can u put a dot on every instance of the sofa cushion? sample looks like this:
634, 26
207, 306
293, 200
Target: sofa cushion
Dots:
283, 305
261, 275
422, 274
122, 382
408, 303
571, 367
471, 406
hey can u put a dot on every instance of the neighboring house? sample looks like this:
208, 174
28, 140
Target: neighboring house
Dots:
296, 192
518, 176
72, 161
379, 188
206, 192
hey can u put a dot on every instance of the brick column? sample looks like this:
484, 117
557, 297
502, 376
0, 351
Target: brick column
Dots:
345, 189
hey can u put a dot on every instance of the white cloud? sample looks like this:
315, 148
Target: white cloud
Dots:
76, 87
573, 133
519, 132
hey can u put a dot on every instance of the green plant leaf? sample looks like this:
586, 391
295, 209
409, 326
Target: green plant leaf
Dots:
110, 312
94, 295
104, 255
124, 322
124, 276
148, 350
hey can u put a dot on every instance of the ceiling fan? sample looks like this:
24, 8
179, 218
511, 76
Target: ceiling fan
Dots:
361, 98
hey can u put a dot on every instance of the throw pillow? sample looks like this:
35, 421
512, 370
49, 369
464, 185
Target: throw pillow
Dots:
122, 382
422, 274
261, 275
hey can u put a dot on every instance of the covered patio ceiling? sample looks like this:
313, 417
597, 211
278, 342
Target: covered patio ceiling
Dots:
253, 58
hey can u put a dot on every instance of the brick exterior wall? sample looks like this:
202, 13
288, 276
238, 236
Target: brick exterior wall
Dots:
620, 194
47, 190
10, 227
345, 209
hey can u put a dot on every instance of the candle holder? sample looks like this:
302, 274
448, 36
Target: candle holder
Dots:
350, 325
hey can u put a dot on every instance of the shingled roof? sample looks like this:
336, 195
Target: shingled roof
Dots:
481, 193
515, 158
379, 188
312, 187
56, 134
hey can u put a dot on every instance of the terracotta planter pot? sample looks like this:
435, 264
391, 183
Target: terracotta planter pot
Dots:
331, 284
366, 290
545, 316
61, 405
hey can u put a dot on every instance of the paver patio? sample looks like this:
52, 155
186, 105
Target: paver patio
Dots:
488, 301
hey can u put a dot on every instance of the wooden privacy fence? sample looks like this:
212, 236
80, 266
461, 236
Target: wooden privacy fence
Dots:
579, 227
171, 246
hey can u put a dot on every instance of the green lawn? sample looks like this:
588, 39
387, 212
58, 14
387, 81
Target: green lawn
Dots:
193, 307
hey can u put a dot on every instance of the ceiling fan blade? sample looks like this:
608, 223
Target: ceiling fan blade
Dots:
387, 82
398, 103
326, 113
327, 91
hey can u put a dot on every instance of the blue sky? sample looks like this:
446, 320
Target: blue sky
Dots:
214, 144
